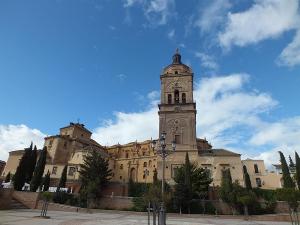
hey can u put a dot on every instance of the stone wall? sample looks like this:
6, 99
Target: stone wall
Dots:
5, 198
29, 199
115, 202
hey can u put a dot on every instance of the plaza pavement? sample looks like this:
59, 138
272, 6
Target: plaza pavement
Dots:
28, 217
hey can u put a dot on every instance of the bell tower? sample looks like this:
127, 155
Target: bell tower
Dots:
177, 109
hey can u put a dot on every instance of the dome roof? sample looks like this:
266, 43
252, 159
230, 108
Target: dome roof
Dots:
177, 67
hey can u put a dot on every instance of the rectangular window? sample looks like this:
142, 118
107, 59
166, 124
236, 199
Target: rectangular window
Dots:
54, 169
258, 182
256, 168
72, 171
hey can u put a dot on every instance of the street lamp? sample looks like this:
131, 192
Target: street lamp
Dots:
163, 153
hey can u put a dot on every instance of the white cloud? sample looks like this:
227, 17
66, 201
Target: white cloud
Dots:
224, 107
157, 12
128, 127
207, 61
223, 104
121, 76
290, 56
129, 3
13, 137
212, 15
265, 19
285, 132
171, 34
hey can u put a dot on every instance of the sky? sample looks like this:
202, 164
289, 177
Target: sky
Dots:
99, 61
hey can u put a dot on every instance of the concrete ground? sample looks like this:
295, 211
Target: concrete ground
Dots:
28, 217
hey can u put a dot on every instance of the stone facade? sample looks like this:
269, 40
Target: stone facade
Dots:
139, 160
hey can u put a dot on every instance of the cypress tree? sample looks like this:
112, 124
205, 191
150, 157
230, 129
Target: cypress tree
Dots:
7, 178
47, 181
292, 164
287, 180
31, 164
247, 178
39, 170
155, 179
63, 179
187, 180
22, 169
297, 159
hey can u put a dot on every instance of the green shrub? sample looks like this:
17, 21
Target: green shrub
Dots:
139, 204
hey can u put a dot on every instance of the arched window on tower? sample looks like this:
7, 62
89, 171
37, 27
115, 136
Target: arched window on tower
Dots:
169, 99
183, 98
176, 96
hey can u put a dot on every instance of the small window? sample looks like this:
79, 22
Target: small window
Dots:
127, 155
120, 177
145, 164
169, 99
258, 182
256, 168
176, 72
65, 144
72, 171
121, 166
176, 96
54, 169
183, 98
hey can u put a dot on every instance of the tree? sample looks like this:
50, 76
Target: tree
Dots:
187, 181
63, 179
247, 178
22, 169
297, 169
7, 178
287, 180
155, 179
31, 164
196, 186
46, 182
94, 175
291, 163
39, 170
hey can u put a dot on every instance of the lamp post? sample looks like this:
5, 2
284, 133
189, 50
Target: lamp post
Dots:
163, 153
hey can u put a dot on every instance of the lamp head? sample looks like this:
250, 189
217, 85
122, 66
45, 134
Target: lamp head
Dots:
173, 145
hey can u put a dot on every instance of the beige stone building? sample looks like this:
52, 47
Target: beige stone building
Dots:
139, 160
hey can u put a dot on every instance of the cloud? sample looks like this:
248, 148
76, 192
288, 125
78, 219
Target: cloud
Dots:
121, 76
13, 137
157, 12
171, 34
207, 61
212, 15
265, 19
128, 127
290, 56
229, 115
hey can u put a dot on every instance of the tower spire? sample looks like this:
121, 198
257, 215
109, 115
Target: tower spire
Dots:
177, 57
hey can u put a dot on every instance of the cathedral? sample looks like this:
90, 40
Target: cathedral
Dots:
139, 160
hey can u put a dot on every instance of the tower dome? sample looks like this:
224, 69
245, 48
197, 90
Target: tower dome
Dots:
177, 67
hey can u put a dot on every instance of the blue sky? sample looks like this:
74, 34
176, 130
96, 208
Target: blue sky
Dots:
99, 61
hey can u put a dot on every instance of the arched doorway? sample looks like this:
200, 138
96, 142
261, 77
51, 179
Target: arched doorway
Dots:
133, 174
